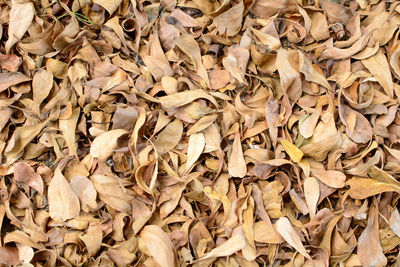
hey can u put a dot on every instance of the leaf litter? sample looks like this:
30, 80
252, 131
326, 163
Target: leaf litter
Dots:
199, 133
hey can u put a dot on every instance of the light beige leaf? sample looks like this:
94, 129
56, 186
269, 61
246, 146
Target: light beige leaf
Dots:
311, 73
202, 124
85, 191
63, 203
41, 85
379, 67
68, 127
358, 128
159, 245
311, 194
21, 137
369, 249
195, 148
230, 21
294, 153
104, 144
111, 191
308, 126
286, 230
191, 48
169, 137
394, 222
263, 233
10, 79
229, 247
236, 165
170, 85
186, 97
335, 179
21, 16
319, 27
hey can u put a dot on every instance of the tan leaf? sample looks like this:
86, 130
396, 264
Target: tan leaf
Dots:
236, 164
286, 230
195, 148
335, 179
21, 16
308, 126
186, 97
67, 127
104, 144
63, 203
229, 247
311, 194
379, 67
369, 249
169, 137
159, 245
85, 191
92, 239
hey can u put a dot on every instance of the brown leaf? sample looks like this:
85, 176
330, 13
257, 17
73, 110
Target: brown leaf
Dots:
25, 174
9, 255
10, 79
169, 137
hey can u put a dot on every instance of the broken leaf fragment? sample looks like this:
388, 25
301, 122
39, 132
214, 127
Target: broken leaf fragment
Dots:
294, 153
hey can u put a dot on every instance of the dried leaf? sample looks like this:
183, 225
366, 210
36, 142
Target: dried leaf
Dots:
159, 245
369, 249
104, 144
335, 179
21, 16
169, 137
25, 174
286, 230
237, 166
294, 153
63, 203
195, 148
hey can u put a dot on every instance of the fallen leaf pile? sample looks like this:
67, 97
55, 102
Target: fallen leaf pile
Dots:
199, 133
